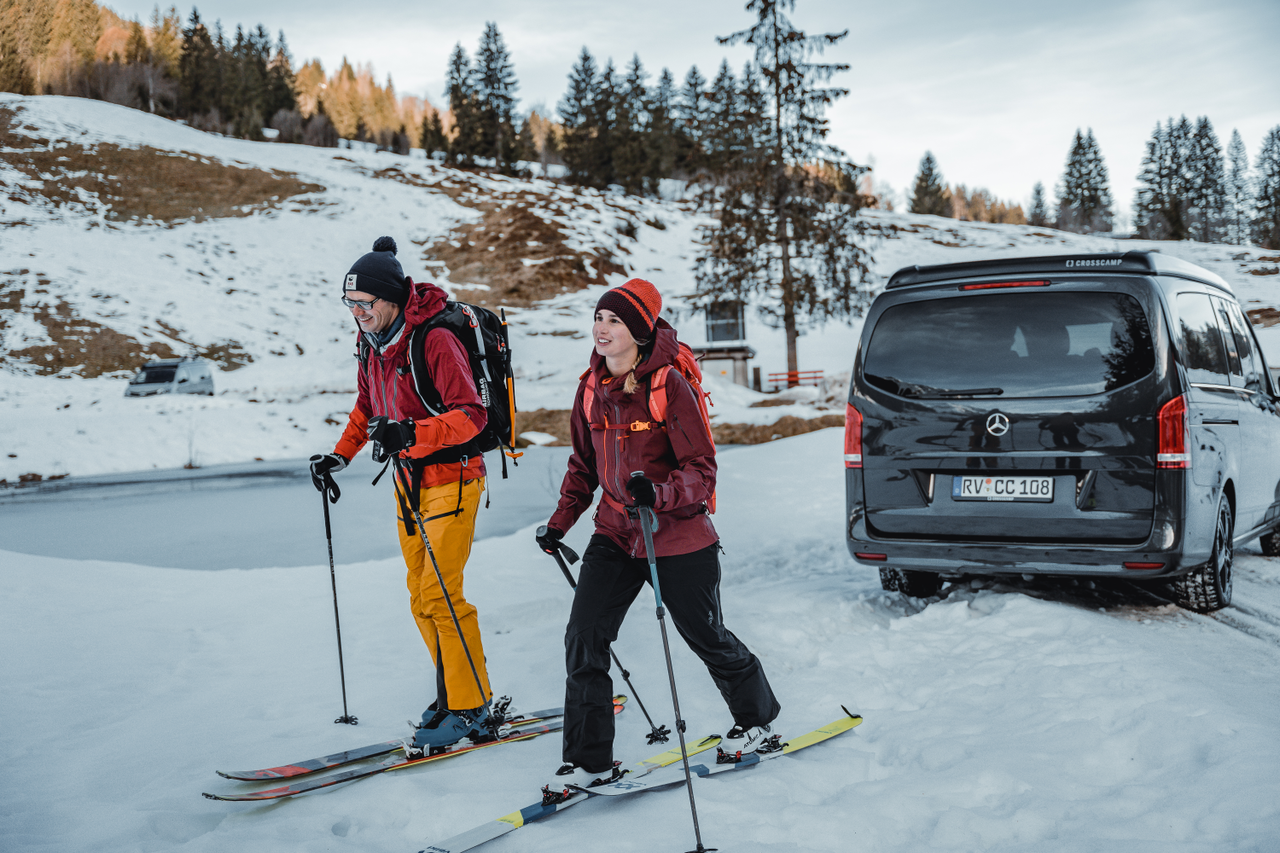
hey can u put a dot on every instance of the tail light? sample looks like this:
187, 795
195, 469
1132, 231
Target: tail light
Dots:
852, 437
995, 285
1171, 450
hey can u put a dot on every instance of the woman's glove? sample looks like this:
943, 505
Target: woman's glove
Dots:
642, 490
548, 539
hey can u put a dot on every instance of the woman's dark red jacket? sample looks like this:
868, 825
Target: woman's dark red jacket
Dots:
680, 458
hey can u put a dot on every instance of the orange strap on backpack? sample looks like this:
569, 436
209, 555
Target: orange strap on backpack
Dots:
687, 364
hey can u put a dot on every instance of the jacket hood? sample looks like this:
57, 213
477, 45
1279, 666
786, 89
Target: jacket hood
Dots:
425, 301
662, 351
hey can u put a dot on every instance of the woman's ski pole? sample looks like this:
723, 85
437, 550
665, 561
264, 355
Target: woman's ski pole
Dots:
328, 496
647, 522
657, 734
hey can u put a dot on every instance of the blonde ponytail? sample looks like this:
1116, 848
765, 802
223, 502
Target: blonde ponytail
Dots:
630, 384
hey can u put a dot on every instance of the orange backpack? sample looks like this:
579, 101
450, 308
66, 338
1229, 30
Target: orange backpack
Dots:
687, 364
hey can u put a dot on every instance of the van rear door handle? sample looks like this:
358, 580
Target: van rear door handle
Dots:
1210, 421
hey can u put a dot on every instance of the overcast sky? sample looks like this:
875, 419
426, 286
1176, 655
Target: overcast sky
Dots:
994, 88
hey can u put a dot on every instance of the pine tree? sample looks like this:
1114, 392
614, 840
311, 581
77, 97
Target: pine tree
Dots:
1266, 221
279, 94
1206, 185
689, 108
433, 138
929, 194
1039, 210
605, 110
1160, 203
1239, 209
463, 106
719, 124
1084, 194
494, 84
166, 41
198, 68
631, 155
575, 110
662, 128
783, 233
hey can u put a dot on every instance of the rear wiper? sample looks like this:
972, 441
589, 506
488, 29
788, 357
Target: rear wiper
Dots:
970, 392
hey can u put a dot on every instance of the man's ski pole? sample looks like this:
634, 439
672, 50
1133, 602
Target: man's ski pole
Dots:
657, 734
422, 531
647, 522
328, 496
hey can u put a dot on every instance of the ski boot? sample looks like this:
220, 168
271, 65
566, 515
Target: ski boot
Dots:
570, 776
744, 741
445, 728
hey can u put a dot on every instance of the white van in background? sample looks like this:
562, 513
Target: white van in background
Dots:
172, 376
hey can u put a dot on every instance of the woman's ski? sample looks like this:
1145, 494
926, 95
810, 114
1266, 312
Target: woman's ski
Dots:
635, 781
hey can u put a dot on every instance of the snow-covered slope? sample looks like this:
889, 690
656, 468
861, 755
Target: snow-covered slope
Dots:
261, 287
995, 721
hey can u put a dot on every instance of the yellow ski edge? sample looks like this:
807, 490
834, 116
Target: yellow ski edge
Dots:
830, 730
671, 756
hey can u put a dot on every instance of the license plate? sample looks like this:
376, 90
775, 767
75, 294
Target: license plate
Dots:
993, 488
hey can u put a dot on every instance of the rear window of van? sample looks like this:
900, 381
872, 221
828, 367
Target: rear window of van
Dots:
1004, 345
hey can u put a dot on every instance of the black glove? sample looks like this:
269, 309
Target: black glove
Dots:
326, 464
548, 539
642, 490
390, 437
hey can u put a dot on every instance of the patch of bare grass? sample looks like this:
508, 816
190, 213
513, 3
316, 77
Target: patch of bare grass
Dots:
83, 346
516, 256
140, 184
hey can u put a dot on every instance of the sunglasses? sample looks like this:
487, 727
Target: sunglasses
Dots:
356, 303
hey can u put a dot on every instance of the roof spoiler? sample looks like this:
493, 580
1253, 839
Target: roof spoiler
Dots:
1141, 263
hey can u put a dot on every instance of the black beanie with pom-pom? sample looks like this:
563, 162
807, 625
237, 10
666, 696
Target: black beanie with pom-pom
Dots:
379, 273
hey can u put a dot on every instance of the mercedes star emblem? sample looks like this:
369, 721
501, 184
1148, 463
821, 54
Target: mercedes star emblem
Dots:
998, 424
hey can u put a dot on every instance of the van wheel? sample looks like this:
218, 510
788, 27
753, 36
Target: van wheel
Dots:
1208, 587
1270, 544
907, 582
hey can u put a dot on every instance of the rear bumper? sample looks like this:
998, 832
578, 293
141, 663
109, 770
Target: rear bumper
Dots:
1179, 541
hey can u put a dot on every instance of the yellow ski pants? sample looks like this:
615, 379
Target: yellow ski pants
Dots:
450, 539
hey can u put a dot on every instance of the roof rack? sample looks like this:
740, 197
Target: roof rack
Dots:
1141, 263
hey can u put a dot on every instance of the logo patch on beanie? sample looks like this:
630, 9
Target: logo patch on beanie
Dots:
350, 283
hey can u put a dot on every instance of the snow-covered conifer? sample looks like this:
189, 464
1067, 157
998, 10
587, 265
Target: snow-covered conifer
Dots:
1239, 196
1084, 193
1039, 207
929, 193
1266, 221
1206, 185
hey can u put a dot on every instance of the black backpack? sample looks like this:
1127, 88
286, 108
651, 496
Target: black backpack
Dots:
483, 334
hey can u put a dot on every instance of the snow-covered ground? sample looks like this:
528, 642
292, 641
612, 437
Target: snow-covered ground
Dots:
1077, 720
269, 282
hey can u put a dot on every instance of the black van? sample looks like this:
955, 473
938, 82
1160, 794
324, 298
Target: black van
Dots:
1084, 415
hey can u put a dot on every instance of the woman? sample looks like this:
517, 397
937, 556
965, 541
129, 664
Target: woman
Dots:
617, 437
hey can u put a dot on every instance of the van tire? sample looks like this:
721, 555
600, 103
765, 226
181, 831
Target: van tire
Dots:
907, 582
1208, 588
1270, 544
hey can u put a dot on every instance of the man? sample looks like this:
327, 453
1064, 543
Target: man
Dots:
440, 474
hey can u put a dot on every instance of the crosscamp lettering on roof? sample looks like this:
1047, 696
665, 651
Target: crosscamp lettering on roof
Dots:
1096, 262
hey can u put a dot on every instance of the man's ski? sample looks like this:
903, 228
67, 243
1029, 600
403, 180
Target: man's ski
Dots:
507, 823
338, 759
630, 784
395, 762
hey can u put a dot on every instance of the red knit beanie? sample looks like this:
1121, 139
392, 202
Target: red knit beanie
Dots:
637, 303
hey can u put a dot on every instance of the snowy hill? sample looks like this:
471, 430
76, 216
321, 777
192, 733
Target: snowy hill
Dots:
127, 236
